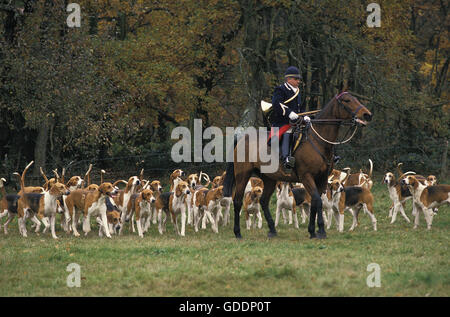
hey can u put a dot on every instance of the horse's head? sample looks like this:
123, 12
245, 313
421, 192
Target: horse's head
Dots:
353, 108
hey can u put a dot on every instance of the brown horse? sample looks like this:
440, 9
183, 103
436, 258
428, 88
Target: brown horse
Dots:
313, 162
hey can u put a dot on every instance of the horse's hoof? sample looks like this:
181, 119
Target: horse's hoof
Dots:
321, 235
238, 236
272, 234
312, 236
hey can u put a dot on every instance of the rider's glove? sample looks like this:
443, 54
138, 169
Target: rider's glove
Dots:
306, 119
293, 116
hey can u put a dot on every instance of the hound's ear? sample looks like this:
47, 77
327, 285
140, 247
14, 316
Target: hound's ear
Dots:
177, 191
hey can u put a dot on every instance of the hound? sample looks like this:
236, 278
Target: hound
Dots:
422, 179
327, 203
95, 205
123, 198
285, 200
156, 188
42, 205
113, 217
352, 197
175, 204
398, 194
303, 199
360, 179
176, 177
140, 206
213, 208
60, 203
8, 205
218, 180
226, 201
193, 181
27, 190
252, 183
431, 180
199, 206
338, 175
252, 206
426, 198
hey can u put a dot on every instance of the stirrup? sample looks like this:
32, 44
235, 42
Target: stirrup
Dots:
290, 162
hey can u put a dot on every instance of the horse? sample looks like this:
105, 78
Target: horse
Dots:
313, 162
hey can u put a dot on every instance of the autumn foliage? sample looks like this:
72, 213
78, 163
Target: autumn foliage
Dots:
135, 69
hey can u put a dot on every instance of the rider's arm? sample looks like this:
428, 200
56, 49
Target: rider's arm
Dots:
277, 104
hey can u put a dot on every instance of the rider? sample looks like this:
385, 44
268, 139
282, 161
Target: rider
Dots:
286, 103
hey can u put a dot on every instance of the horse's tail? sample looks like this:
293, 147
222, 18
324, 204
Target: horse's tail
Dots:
229, 181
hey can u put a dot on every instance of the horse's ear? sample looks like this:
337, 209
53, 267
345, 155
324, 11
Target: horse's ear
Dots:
343, 86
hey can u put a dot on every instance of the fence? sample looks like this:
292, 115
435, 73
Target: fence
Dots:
424, 159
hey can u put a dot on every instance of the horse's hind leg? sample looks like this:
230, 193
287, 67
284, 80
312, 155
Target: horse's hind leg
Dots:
269, 187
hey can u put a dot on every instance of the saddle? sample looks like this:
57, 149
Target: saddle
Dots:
298, 131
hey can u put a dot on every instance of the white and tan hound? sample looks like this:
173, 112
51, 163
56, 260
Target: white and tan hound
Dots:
426, 198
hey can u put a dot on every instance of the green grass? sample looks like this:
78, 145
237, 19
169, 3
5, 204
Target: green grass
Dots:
412, 262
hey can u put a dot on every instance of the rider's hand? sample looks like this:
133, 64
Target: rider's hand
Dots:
306, 119
293, 116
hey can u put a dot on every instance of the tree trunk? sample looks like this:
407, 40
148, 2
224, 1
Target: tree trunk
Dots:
444, 162
40, 149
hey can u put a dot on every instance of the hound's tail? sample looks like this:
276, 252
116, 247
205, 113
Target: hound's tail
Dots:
101, 176
2, 180
206, 177
87, 177
43, 175
22, 179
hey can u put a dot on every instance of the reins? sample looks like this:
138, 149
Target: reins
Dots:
350, 122
331, 142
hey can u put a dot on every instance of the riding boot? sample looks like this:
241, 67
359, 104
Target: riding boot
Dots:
287, 160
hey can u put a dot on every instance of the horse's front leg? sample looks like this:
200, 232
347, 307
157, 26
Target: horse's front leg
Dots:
316, 209
237, 202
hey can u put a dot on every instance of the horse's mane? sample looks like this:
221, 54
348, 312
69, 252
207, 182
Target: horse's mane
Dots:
325, 109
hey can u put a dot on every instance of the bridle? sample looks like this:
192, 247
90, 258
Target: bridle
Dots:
351, 122
353, 113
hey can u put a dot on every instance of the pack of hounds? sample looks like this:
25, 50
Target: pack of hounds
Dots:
142, 202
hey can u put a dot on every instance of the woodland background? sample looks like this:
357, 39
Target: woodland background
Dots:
110, 92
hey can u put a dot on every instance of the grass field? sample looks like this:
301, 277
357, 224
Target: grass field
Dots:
412, 262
